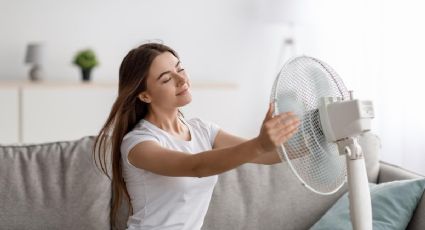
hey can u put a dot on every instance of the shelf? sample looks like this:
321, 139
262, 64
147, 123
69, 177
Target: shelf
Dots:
108, 84
35, 112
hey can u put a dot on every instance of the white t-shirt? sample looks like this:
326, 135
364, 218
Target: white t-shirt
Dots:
162, 202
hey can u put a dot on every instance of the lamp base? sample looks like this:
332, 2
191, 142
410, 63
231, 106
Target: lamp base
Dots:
36, 73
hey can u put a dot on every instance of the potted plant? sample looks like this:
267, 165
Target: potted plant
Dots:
86, 60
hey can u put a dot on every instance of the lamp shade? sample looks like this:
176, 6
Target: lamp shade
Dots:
34, 53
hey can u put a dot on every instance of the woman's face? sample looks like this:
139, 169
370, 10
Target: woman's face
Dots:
167, 83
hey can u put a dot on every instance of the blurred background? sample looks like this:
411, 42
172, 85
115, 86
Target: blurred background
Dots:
232, 50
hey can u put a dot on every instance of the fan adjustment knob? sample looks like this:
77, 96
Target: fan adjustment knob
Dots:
347, 151
351, 94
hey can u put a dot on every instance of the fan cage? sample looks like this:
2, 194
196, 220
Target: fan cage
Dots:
299, 87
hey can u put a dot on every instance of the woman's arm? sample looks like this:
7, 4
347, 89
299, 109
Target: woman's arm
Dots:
149, 155
224, 139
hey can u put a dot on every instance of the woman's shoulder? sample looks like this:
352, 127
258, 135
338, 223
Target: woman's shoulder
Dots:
197, 121
207, 128
201, 123
141, 128
141, 132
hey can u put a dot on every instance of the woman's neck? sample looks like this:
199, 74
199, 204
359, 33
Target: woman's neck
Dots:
168, 121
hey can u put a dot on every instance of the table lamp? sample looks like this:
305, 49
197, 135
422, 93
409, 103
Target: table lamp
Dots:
35, 56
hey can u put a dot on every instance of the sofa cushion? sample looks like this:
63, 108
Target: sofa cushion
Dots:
53, 186
392, 206
271, 197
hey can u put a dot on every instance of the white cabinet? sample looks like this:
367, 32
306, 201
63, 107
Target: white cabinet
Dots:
52, 113
44, 112
49, 111
9, 114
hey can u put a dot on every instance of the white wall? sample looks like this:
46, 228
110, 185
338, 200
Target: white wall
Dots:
201, 31
375, 46
217, 41
402, 89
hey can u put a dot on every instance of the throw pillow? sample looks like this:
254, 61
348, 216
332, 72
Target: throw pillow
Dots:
393, 204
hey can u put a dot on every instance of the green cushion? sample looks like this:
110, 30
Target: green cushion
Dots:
393, 204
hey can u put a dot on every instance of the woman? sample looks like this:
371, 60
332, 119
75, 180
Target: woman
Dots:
164, 165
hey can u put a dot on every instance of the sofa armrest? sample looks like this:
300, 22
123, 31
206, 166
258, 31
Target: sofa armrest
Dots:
418, 219
389, 172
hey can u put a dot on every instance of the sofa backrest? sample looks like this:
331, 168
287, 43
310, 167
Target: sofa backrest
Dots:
53, 186
271, 197
57, 186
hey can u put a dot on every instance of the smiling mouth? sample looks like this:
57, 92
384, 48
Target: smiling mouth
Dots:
182, 92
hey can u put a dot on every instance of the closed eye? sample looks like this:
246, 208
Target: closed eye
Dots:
167, 80
178, 65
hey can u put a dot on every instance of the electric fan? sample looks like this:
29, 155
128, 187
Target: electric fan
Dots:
324, 152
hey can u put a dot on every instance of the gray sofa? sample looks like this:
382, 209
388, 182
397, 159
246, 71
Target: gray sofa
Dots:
57, 186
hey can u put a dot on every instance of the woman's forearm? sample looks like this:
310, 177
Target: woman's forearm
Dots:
221, 160
274, 131
268, 158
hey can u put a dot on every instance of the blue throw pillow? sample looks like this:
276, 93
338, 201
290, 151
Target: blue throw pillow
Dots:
393, 204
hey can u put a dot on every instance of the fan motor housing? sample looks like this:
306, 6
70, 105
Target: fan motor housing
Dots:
349, 118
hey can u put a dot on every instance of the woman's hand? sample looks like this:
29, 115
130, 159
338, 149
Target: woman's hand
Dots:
276, 130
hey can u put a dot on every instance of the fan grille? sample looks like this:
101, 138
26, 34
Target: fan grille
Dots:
298, 88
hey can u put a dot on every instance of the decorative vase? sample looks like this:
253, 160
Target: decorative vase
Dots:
86, 74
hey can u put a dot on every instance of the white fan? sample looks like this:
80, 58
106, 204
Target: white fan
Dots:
325, 149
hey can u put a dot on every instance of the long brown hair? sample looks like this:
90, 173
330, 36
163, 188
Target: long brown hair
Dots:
126, 112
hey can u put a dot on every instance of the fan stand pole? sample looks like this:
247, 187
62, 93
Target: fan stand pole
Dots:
358, 185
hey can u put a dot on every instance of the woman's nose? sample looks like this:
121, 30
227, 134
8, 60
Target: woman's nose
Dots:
180, 79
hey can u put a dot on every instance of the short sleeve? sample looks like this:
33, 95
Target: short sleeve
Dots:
133, 138
210, 129
214, 128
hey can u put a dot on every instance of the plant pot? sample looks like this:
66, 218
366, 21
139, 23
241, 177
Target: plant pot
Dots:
86, 74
